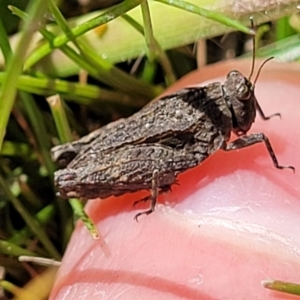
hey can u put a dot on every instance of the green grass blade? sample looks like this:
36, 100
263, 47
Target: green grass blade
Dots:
79, 212
14, 67
12, 249
42, 217
161, 55
282, 286
15, 149
30, 221
97, 67
61, 40
209, 14
4, 43
64, 132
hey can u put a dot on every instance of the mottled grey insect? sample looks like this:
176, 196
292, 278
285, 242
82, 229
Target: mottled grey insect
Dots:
167, 137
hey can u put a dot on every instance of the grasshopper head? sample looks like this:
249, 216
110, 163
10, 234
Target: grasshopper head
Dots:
241, 100
63, 154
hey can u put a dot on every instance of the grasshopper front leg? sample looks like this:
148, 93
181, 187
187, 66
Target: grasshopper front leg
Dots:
254, 138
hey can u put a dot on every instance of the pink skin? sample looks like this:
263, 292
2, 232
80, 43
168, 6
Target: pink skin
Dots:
230, 223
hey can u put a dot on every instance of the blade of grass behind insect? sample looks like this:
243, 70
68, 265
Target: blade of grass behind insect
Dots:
42, 217
149, 71
154, 48
32, 111
283, 28
14, 67
38, 126
64, 133
6, 101
260, 31
4, 43
285, 50
148, 31
209, 14
118, 79
15, 149
12, 249
172, 28
63, 25
95, 65
30, 221
60, 118
162, 56
87, 94
79, 30
109, 74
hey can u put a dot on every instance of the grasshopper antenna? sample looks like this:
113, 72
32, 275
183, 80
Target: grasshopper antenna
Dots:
260, 68
260, 111
253, 50
253, 57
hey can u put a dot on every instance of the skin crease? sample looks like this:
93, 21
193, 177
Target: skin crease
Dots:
230, 223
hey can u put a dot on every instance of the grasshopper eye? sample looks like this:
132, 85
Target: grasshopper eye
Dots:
243, 90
